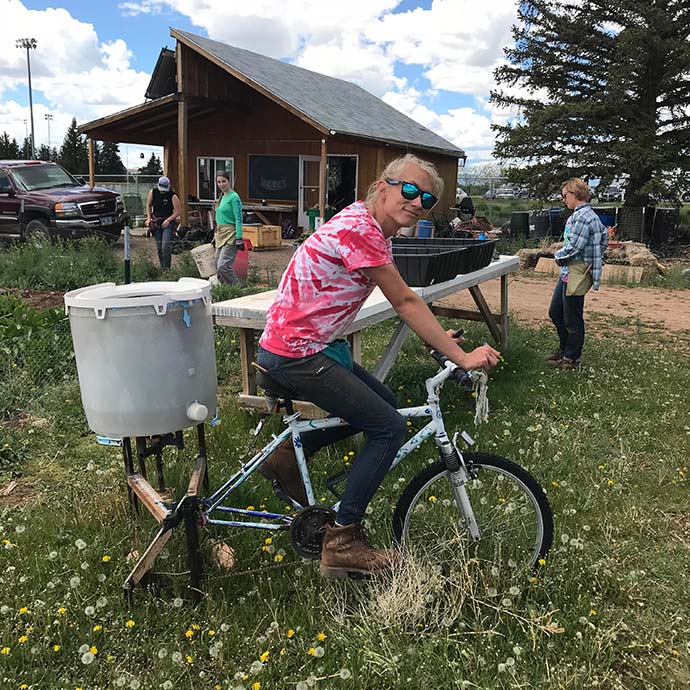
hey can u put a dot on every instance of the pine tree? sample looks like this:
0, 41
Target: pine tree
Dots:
74, 154
152, 167
9, 148
109, 161
26, 148
603, 91
43, 153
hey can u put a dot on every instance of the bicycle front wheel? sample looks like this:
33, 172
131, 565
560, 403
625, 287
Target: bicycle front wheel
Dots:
509, 508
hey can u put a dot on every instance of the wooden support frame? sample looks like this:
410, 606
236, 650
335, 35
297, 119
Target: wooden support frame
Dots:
92, 163
181, 135
323, 180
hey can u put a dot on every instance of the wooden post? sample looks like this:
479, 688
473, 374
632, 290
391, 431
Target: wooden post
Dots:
181, 137
323, 181
92, 164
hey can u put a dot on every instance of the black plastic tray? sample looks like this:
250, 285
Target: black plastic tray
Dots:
477, 254
421, 265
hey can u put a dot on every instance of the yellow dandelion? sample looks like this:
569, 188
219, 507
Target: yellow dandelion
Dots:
312, 651
250, 507
23, 610
256, 686
130, 623
321, 637
23, 639
351, 453
105, 558
542, 561
264, 657
5, 650
29, 628
432, 499
195, 626
592, 612
283, 651
268, 540
278, 558
56, 647
290, 633
189, 634
189, 658
556, 484
97, 628
675, 652
23, 686
62, 610
211, 633
93, 649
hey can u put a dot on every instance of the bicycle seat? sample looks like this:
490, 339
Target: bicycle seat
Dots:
277, 396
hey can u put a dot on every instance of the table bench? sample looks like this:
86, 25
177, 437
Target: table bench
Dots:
249, 315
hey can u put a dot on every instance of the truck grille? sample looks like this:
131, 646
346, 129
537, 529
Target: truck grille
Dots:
98, 208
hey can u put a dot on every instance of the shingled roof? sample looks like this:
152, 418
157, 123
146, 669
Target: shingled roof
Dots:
330, 104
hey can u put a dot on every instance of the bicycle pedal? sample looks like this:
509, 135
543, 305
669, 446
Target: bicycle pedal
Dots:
336, 479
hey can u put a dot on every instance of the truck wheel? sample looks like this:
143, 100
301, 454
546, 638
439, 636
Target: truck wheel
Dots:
37, 233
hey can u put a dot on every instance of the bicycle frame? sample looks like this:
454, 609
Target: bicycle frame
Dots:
296, 427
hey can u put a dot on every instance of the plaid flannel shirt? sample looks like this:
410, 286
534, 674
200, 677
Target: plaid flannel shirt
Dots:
587, 241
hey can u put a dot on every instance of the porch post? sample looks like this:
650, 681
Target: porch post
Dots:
92, 164
323, 181
181, 137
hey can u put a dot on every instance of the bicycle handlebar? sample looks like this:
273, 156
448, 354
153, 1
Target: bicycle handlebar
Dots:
464, 378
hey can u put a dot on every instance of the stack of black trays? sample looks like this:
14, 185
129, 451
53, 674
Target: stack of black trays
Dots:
430, 261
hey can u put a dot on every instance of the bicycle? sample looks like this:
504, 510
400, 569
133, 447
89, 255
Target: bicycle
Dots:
472, 501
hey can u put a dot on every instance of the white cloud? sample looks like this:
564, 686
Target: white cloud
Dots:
78, 75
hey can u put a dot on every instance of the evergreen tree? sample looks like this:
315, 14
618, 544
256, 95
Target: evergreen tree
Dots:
109, 161
26, 149
74, 153
602, 91
43, 153
153, 167
9, 148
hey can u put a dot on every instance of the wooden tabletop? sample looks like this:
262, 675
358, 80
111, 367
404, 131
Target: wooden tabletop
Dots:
250, 311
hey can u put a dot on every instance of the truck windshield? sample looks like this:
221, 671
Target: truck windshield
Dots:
32, 177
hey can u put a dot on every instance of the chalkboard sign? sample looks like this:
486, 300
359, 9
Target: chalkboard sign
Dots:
274, 177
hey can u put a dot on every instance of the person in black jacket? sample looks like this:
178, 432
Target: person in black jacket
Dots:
163, 208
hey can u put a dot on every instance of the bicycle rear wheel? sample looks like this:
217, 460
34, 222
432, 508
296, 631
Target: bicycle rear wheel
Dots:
510, 508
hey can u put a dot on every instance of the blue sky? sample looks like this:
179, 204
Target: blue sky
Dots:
431, 59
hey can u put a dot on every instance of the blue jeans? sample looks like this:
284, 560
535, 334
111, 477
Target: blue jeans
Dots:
566, 314
163, 237
225, 258
361, 400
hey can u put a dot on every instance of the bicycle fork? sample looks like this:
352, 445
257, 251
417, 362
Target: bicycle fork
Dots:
459, 475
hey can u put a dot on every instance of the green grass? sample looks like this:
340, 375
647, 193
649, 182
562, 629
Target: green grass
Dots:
609, 610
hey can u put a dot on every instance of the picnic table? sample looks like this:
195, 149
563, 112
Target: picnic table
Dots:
248, 313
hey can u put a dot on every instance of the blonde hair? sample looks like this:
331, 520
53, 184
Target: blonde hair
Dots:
578, 187
392, 171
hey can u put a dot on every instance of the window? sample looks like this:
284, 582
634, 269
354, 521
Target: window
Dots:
207, 169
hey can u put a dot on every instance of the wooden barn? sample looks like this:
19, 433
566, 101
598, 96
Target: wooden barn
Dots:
293, 139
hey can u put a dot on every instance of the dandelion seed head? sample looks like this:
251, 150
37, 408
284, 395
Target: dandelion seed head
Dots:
87, 658
80, 544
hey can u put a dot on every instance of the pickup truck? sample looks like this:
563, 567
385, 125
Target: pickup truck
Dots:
41, 201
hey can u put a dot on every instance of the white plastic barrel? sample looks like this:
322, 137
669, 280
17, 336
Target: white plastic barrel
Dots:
205, 258
145, 355
407, 232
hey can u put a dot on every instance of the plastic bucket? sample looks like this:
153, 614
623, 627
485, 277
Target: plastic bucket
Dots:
425, 228
407, 232
205, 259
241, 264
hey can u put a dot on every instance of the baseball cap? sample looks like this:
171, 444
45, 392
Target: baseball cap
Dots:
163, 184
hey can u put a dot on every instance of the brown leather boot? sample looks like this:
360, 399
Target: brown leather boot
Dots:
347, 550
281, 467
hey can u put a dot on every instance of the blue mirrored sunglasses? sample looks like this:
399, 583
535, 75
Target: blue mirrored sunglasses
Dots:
410, 191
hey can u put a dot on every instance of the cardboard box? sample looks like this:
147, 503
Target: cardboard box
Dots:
263, 236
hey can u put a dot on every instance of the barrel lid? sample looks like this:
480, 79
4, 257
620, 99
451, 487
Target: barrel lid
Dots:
158, 294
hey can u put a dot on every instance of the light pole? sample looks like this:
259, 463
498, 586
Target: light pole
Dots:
29, 43
48, 118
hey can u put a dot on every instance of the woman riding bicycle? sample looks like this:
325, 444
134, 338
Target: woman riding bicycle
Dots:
327, 281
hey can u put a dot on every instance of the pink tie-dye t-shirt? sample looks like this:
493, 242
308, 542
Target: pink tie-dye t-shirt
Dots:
324, 285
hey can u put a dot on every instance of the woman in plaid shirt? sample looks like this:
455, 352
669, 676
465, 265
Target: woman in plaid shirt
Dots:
585, 240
